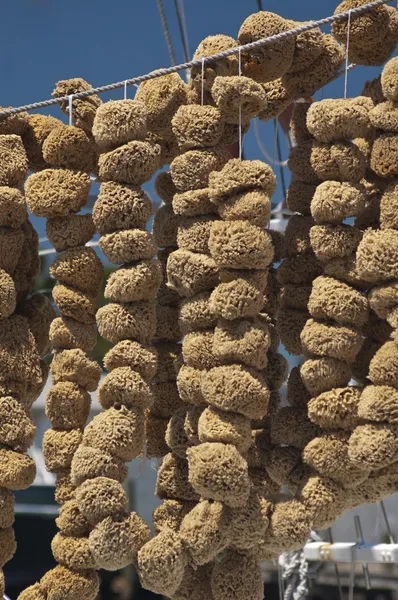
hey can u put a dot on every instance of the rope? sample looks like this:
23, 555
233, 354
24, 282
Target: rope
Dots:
197, 63
182, 32
166, 32
298, 572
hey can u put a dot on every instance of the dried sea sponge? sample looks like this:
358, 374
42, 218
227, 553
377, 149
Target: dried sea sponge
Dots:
240, 175
330, 339
38, 129
155, 434
124, 386
197, 350
384, 116
13, 160
297, 393
379, 403
117, 431
304, 83
193, 233
68, 334
334, 201
322, 374
267, 62
336, 408
17, 470
129, 353
204, 531
17, 429
67, 405
324, 501
218, 472
276, 100
169, 514
289, 524
71, 521
383, 368
165, 399
8, 545
240, 245
11, 247
197, 126
14, 124
33, 592
191, 170
236, 388
329, 455
84, 109
119, 122
72, 552
70, 147
56, 192
297, 235
281, 461
126, 246
8, 295
74, 304
121, 206
196, 313
248, 525
238, 98
133, 163
74, 366
253, 206
216, 425
62, 583
59, 447
330, 242
341, 119
165, 227
7, 505
389, 206
383, 158
89, 463
236, 299
195, 584
298, 270
376, 256
295, 297
135, 283
99, 498
290, 325
299, 195
172, 480
188, 385
69, 231
190, 273
373, 446
167, 327
12, 207
164, 187
335, 300
193, 203
291, 426
242, 341
162, 97
117, 322
238, 575
161, 563
213, 44
388, 80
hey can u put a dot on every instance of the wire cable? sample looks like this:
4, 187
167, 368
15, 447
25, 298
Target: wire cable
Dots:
166, 32
182, 32
198, 62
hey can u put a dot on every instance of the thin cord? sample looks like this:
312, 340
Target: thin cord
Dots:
278, 146
184, 23
166, 32
240, 106
125, 90
346, 54
182, 32
70, 102
203, 81
263, 149
284, 35
275, 141
260, 5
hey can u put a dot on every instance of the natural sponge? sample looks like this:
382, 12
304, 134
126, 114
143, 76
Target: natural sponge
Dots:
240, 175
89, 463
197, 126
121, 206
161, 563
238, 98
12, 207
240, 245
67, 405
120, 432
267, 62
190, 273
217, 471
373, 446
13, 160
191, 170
70, 147
56, 192
213, 44
338, 120
333, 299
204, 531
74, 366
336, 409
117, 322
99, 498
69, 231
119, 122
377, 255
133, 163
238, 575
162, 97
62, 583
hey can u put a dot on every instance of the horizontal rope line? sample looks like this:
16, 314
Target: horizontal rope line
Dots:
198, 63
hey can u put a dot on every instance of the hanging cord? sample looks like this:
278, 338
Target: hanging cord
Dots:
203, 81
346, 54
70, 109
282, 172
196, 63
166, 32
184, 41
240, 106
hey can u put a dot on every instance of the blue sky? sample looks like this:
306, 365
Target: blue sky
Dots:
105, 41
